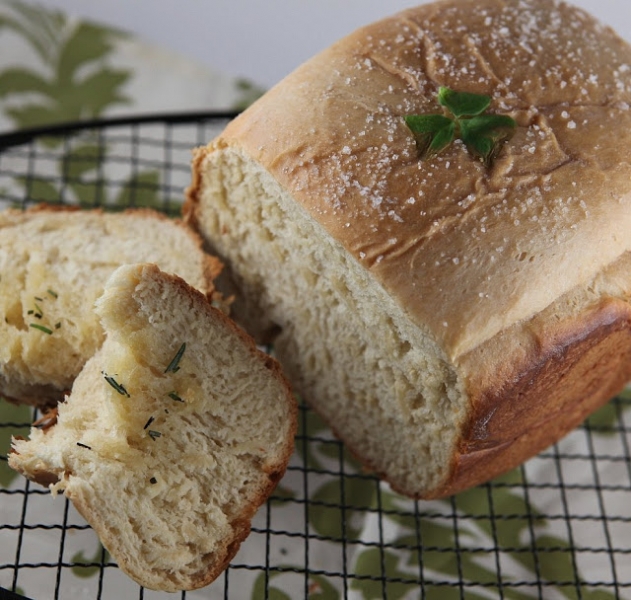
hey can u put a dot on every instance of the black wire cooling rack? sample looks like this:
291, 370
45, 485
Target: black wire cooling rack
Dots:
557, 527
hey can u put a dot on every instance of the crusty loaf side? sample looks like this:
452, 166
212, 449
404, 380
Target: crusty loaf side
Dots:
396, 279
54, 263
167, 450
537, 380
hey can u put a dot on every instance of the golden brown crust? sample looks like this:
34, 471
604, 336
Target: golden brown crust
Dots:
447, 231
565, 373
191, 201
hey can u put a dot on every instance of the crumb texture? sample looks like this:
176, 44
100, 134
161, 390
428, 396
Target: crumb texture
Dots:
53, 267
174, 433
342, 340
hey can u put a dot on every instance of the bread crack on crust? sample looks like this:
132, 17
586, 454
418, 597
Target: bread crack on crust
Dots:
170, 487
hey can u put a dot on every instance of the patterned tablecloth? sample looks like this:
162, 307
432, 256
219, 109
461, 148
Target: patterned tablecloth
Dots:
558, 527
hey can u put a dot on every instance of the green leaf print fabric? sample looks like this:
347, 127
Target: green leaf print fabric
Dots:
559, 527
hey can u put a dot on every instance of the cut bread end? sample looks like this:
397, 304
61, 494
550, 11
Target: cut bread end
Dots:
174, 433
387, 389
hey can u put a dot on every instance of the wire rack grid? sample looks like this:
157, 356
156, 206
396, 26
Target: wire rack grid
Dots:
557, 527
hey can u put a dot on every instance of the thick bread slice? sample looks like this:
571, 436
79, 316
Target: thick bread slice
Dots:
53, 266
448, 319
167, 450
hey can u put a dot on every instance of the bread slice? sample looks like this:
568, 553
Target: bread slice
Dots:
53, 266
173, 435
447, 318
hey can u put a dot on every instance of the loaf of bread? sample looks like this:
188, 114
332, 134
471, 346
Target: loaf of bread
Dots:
53, 266
174, 433
449, 318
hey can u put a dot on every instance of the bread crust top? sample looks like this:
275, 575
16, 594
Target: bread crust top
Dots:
467, 251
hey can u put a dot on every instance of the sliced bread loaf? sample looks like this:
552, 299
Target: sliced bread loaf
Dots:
173, 435
53, 266
448, 317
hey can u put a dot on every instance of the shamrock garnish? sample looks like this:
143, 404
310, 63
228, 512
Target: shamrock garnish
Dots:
482, 134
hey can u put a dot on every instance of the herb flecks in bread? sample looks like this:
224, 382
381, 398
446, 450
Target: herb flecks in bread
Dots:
37, 312
170, 487
54, 264
174, 365
119, 387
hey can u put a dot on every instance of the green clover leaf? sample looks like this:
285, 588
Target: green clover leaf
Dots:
482, 134
433, 133
485, 134
463, 104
